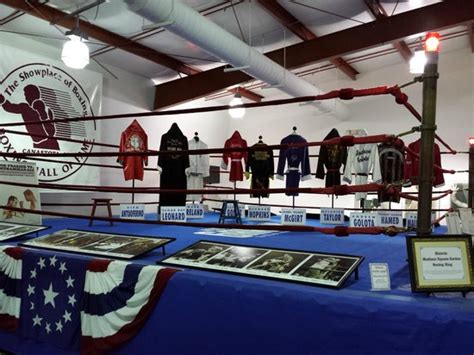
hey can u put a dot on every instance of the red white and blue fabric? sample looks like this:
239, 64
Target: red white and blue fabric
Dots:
10, 287
118, 297
76, 303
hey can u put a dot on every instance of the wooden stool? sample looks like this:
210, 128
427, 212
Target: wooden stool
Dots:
236, 215
101, 202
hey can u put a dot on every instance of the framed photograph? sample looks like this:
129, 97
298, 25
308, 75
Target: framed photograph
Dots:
97, 243
319, 269
441, 263
14, 230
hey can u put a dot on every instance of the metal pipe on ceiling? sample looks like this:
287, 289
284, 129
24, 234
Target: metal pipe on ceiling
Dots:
187, 23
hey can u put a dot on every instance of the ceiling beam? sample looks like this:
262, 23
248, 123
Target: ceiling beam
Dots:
60, 18
470, 31
378, 11
294, 25
437, 16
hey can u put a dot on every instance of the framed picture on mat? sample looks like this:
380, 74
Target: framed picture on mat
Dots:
440, 263
14, 230
320, 269
98, 243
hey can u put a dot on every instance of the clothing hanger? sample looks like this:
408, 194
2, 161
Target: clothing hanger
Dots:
294, 130
196, 137
260, 140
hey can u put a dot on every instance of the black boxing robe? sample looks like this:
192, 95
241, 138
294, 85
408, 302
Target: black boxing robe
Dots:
261, 164
173, 167
331, 159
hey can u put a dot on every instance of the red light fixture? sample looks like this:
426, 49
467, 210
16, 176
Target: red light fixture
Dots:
432, 42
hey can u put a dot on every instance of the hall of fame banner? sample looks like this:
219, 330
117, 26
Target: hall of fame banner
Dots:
46, 94
19, 196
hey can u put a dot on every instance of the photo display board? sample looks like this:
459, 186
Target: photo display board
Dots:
13, 230
319, 269
98, 243
440, 264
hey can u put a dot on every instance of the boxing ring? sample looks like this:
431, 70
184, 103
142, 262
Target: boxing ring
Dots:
203, 312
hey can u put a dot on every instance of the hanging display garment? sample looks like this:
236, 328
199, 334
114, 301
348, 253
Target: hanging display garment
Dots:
331, 158
133, 139
198, 168
297, 159
172, 167
361, 160
412, 168
235, 158
260, 163
391, 168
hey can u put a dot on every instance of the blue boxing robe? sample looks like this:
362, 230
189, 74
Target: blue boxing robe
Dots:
297, 159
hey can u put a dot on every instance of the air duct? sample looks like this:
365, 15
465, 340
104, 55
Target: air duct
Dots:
190, 25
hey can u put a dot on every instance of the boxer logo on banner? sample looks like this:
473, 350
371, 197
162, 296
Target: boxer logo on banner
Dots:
48, 97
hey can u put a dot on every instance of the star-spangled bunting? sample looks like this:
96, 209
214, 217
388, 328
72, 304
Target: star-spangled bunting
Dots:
76, 304
50, 309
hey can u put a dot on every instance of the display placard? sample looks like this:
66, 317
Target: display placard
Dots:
293, 216
332, 216
19, 196
379, 276
132, 211
389, 218
259, 213
441, 263
195, 210
412, 219
230, 210
173, 214
363, 219
319, 269
98, 243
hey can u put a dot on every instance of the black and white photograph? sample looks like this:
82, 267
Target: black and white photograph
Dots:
14, 230
326, 268
200, 252
313, 268
95, 243
278, 262
237, 257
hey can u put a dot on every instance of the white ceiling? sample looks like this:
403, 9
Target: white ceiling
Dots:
258, 27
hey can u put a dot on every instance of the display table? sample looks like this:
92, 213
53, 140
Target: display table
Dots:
202, 312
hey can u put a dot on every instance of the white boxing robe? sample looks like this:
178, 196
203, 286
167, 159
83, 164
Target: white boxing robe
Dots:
361, 160
198, 168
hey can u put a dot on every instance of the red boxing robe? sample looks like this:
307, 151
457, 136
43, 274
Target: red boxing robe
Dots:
236, 169
412, 168
133, 139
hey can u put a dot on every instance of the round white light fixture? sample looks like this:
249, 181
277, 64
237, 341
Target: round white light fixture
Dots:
239, 112
75, 53
417, 62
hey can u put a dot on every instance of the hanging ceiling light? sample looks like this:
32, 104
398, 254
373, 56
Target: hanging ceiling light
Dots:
236, 112
75, 52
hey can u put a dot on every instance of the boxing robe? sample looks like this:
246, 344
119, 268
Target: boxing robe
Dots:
133, 139
412, 164
260, 163
198, 168
297, 159
361, 160
331, 158
391, 168
173, 167
235, 158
